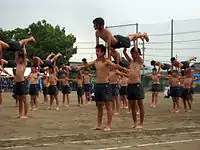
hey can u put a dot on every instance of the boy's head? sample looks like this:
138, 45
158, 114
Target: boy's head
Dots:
175, 73
31, 56
173, 59
154, 70
51, 70
98, 23
100, 50
153, 62
64, 74
84, 60
134, 53
33, 69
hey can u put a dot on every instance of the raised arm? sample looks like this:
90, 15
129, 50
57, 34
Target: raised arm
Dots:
126, 55
122, 74
116, 66
25, 54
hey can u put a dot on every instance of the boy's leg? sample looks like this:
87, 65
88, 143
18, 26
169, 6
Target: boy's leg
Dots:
138, 35
67, 99
116, 99
109, 115
20, 106
57, 102
25, 107
133, 107
141, 107
55, 57
63, 99
24, 41
156, 98
50, 55
99, 115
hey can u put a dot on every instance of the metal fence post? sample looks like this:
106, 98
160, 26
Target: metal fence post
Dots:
172, 37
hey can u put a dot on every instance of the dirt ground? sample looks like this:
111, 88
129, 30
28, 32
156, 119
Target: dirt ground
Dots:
69, 128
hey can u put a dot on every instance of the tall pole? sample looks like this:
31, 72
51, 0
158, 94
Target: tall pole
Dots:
143, 49
136, 30
172, 37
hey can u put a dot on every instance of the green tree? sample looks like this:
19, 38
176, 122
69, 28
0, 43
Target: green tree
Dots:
49, 39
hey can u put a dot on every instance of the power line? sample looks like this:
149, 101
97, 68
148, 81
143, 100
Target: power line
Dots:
176, 33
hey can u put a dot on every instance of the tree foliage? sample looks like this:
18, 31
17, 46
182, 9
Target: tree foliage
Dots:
49, 39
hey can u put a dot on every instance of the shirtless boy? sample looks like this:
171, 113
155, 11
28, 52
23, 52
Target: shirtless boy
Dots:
102, 88
135, 90
162, 66
20, 85
113, 80
114, 42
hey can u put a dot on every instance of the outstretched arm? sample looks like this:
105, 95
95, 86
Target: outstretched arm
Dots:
25, 54
88, 65
116, 66
3, 70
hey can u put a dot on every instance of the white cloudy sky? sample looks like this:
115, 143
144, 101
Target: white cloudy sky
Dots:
77, 15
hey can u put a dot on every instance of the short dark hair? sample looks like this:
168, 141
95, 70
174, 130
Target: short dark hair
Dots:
153, 62
173, 59
84, 59
98, 21
102, 47
192, 66
175, 71
154, 69
139, 51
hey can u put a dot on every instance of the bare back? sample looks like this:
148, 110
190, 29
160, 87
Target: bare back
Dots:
156, 79
123, 81
105, 34
188, 82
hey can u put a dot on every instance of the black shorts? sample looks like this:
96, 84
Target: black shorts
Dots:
53, 90
21, 88
123, 42
14, 46
115, 89
47, 63
45, 91
192, 90
102, 92
176, 91
87, 87
155, 87
186, 94
66, 89
166, 67
80, 91
186, 64
123, 90
135, 92
34, 89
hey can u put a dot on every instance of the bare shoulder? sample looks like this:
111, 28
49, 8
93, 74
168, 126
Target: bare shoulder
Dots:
97, 33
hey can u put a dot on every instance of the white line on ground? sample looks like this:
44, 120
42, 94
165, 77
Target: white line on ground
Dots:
114, 148
168, 142
16, 139
13, 147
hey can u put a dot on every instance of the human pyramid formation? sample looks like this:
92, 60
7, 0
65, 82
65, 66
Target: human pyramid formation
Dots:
109, 75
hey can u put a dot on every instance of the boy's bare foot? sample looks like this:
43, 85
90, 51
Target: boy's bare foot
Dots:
32, 39
146, 37
107, 129
24, 117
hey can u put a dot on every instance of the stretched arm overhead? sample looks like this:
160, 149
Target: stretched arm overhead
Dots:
25, 54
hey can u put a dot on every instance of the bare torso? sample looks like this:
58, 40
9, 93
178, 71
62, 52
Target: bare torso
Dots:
20, 69
79, 83
65, 81
123, 81
34, 78
86, 78
134, 72
113, 77
45, 81
53, 79
174, 81
102, 70
156, 79
188, 82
